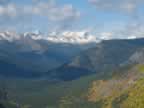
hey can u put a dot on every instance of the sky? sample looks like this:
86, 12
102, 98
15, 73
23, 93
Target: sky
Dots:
113, 18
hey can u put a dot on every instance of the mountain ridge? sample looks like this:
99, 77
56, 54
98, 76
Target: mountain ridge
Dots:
70, 61
105, 57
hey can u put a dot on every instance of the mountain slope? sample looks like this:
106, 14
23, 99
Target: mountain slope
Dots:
120, 92
116, 91
106, 56
95, 91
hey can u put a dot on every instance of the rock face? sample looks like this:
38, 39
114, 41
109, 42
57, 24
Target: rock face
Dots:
138, 57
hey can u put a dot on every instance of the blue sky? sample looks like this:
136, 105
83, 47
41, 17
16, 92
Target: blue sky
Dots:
74, 15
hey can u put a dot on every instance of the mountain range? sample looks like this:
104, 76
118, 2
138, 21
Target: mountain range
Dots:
38, 73
105, 57
31, 54
34, 53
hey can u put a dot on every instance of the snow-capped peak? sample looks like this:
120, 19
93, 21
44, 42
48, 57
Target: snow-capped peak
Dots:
32, 35
132, 37
9, 36
82, 37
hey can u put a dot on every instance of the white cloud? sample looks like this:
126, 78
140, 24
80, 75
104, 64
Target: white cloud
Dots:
54, 12
106, 35
58, 16
130, 32
47, 9
9, 10
127, 6
134, 27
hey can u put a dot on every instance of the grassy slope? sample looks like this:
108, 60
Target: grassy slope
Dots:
126, 92
41, 93
109, 91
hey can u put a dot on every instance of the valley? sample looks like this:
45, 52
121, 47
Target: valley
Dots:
105, 76
71, 54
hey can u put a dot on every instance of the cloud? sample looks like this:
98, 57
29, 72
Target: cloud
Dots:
126, 6
106, 35
47, 9
130, 31
134, 27
59, 17
9, 10
52, 11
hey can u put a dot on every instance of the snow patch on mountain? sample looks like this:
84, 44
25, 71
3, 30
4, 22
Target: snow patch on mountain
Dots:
9, 36
68, 37
82, 37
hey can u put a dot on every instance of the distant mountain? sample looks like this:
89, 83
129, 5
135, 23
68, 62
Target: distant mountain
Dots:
66, 56
82, 37
106, 56
35, 52
109, 54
